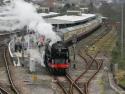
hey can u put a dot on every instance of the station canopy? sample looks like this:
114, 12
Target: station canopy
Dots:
69, 19
48, 14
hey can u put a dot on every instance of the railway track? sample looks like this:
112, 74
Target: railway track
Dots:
86, 72
2, 47
83, 49
70, 82
13, 87
93, 59
94, 38
104, 42
4, 63
73, 83
89, 60
3, 91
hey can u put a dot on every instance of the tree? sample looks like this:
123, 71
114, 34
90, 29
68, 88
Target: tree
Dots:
107, 11
91, 7
65, 8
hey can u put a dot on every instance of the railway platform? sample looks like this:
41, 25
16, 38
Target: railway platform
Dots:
30, 50
30, 81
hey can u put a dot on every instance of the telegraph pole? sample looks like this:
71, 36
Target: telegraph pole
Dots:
91, 7
23, 40
74, 41
122, 31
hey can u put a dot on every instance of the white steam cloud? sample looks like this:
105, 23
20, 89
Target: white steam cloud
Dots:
28, 16
24, 14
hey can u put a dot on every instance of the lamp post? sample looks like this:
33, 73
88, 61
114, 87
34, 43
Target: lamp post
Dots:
23, 44
74, 41
122, 31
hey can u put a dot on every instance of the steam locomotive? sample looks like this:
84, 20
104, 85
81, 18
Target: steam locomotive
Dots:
56, 58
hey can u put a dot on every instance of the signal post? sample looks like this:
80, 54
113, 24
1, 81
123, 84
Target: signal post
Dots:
74, 41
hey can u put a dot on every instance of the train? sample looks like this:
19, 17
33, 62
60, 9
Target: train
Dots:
80, 29
56, 58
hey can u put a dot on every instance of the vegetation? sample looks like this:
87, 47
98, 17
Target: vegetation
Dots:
116, 58
116, 53
122, 82
69, 7
113, 12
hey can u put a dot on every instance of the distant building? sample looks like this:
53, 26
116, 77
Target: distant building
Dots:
74, 1
63, 2
121, 1
98, 1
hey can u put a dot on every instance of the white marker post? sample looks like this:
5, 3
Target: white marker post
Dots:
54, 86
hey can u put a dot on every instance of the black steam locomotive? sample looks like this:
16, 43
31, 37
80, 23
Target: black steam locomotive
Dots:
57, 58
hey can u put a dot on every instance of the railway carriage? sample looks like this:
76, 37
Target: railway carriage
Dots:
68, 25
79, 30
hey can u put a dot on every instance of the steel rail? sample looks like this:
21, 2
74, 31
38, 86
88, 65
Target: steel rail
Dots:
13, 87
3, 91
